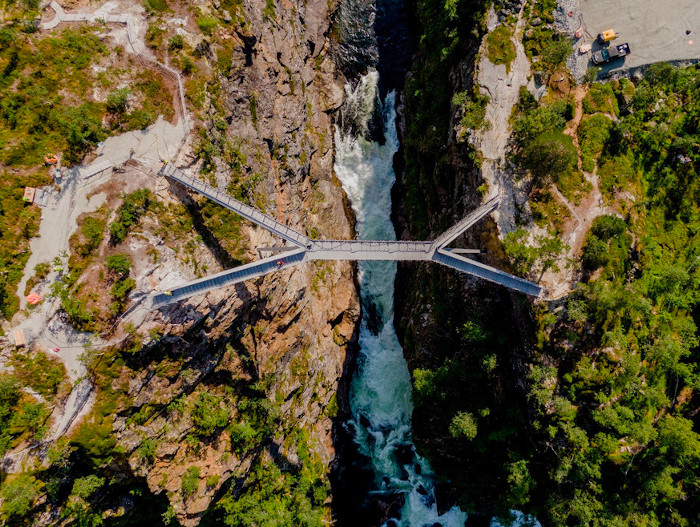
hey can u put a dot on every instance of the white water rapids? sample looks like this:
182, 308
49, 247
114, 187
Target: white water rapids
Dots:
380, 395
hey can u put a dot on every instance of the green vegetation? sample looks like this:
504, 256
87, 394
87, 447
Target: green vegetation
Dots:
207, 24
445, 40
473, 112
40, 372
129, 212
601, 98
500, 48
190, 482
19, 222
18, 496
593, 133
604, 430
21, 417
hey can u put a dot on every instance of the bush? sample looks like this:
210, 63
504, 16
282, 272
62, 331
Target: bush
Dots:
607, 245
86, 487
500, 48
176, 42
209, 414
190, 482
130, 211
117, 100
154, 7
122, 288
556, 52
473, 112
593, 133
18, 496
119, 264
533, 123
207, 24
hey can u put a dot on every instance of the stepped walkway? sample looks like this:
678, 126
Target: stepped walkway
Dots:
305, 249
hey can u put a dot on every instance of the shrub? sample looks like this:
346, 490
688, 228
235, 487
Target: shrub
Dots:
207, 24
130, 211
176, 42
549, 156
473, 112
86, 487
154, 7
18, 496
119, 264
556, 52
500, 48
117, 100
190, 482
209, 414
122, 288
593, 133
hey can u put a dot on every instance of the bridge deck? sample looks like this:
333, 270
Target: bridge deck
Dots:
308, 249
223, 199
229, 277
470, 219
487, 273
368, 250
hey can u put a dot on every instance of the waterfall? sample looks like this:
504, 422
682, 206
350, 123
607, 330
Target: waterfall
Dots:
380, 393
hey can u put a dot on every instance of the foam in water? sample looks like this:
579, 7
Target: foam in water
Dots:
380, 395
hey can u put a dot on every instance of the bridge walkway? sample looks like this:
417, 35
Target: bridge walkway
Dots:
368, 250
228, 277
470, 219
486, 272
223, 199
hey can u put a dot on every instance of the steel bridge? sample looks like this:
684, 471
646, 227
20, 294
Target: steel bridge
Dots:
304, 249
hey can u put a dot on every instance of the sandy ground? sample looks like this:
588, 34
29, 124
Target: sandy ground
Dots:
655, 30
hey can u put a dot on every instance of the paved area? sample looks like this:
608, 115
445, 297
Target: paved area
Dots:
656, 30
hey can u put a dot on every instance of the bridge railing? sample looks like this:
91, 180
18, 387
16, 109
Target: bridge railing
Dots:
224, 199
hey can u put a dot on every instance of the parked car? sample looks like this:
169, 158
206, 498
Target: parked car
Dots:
607, 54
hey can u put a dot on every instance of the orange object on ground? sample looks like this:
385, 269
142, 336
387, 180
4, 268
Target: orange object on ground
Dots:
29, 194
51, 159
33, 299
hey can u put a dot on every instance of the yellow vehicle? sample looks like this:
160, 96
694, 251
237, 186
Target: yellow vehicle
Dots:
607, 36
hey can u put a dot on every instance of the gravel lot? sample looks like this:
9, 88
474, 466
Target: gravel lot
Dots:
655, 29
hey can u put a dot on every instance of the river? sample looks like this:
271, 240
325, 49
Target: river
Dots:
380, 393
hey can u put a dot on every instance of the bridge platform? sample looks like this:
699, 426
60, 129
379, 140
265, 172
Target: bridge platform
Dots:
305, 249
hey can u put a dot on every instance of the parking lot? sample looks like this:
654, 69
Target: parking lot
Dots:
656, 30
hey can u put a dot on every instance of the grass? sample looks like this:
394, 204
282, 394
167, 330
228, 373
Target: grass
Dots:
44, 374
601, 98
593, 133
500, 48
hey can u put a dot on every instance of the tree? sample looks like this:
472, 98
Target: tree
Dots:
548, 157
190, 482
117, 101
18, 495
463, 425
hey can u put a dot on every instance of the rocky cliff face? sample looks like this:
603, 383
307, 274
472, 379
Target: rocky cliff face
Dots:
288, 332
461, 336
198, 393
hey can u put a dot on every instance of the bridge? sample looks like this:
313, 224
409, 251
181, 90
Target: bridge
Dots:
304, 249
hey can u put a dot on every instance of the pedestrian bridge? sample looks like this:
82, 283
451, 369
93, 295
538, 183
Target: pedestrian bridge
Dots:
304, 249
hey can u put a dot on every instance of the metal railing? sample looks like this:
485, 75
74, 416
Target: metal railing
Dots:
225, 200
